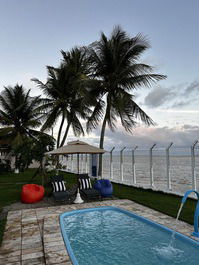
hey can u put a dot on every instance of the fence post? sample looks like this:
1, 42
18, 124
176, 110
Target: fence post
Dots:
133, 164
102, 166
66, 161
82, 163
168, 167
71, 163
111, 163
121, 164
151, 165
86, 160
193, 171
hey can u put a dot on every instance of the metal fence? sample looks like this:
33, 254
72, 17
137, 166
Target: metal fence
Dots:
166, 168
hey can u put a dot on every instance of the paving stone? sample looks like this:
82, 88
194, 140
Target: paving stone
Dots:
28, 211
13, 263
12, 229
32, 250
54, 248
52, 223
52, 217
30, 221
49, 235
6, 260
14, 214
32, 240
34, 261
9, 246
29, 216
29, 224
31, 245
54, 244
14, 235
11, 242
64, 263
65, 208
26, 228
51, 239
55, 228
7, 253
41, 228
14, 222
56, 257
58, 211
32, 255
42, 213
31, 233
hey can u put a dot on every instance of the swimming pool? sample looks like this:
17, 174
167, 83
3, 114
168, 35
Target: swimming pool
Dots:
113, 236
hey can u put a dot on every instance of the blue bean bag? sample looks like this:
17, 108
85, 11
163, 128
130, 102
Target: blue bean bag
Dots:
104, 186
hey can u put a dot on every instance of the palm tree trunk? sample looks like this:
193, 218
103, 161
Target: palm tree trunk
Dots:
60, 130
65, 134
58, 138
101, 145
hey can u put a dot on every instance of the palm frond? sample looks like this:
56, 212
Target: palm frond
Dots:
143, 80
51, 119
76, 126
96, 116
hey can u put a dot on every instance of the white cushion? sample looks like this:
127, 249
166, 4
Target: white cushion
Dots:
85, 184
59, 186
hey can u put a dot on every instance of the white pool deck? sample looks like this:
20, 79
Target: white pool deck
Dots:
33, 236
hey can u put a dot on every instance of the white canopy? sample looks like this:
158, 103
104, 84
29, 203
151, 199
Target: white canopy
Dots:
76, 147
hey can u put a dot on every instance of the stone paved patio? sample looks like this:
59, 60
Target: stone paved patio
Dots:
33, 236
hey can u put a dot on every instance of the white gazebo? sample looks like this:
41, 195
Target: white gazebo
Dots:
76, 147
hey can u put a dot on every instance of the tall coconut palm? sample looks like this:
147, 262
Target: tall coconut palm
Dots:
65, 92
116, 67
19, 116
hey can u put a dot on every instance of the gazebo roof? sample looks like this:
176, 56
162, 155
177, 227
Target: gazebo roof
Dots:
77, 147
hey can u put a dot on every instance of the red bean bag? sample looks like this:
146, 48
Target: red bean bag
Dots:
32, 193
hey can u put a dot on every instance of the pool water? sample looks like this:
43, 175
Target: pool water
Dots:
111, 236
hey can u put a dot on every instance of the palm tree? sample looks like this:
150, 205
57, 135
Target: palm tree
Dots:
19, 116
65, 92
116, 68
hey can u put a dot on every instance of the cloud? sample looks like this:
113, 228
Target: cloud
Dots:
173, 97
145, 137
183, 133
158, 97
190, 127
193, 87
183, 103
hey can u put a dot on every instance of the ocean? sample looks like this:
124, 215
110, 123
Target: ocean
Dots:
180, 168
180, 172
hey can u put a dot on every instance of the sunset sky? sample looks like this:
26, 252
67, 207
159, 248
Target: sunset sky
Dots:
33, 32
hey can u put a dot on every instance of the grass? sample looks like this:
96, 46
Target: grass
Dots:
165, 203
11, 184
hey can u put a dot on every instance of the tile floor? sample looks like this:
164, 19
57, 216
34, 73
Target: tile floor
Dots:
33, 236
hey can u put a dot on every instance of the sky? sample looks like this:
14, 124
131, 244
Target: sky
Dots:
33, 32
